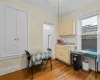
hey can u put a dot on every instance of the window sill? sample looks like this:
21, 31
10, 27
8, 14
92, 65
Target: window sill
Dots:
89, 34
11, 56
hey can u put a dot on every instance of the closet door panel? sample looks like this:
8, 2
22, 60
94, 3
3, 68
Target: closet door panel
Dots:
21, 31
1, 30
10, 30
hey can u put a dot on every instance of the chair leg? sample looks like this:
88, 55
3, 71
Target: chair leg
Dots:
46, 65
28, 64
32, 72
51, 63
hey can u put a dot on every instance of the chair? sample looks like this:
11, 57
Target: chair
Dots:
38, 59
33, 62
28, 58
48, 58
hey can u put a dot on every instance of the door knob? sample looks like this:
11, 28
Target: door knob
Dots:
15, 39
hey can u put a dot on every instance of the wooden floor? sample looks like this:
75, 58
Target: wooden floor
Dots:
60, 71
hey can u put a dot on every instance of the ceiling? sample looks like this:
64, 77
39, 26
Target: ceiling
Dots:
65, 6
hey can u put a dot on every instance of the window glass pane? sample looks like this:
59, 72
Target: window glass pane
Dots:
90, 21
89, 25
89, 42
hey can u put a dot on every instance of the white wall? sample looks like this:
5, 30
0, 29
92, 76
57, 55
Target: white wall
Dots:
36, 20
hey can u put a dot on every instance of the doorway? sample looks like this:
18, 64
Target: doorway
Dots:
49, 37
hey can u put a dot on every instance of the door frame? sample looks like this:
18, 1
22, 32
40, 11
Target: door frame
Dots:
55, 34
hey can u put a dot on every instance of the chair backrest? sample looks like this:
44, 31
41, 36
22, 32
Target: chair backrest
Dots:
28, 55
49, 49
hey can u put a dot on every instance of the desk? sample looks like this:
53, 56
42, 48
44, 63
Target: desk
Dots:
89, 54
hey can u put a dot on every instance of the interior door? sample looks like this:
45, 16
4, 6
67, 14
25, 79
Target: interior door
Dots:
49, 37
10, 30
22, 22
1, 29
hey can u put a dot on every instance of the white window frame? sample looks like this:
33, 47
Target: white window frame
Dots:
79, 28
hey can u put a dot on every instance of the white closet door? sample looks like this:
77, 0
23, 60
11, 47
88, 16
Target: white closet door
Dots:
22, 18
1, 29
10, 31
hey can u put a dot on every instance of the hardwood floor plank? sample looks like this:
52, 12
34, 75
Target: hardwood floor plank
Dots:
60, 71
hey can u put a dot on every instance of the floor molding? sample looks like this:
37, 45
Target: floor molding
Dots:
12, 69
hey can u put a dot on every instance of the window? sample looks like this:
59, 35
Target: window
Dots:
88, 32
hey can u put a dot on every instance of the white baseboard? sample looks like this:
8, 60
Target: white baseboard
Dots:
12, 69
